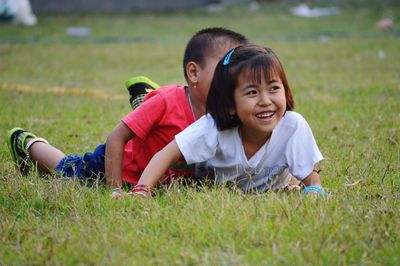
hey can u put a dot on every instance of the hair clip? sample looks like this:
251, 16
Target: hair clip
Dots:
228, 57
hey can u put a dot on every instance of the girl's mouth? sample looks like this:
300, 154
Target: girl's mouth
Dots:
265, 115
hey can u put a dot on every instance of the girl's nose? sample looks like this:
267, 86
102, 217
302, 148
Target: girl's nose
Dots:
264, 99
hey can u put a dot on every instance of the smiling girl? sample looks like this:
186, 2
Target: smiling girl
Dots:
250, 136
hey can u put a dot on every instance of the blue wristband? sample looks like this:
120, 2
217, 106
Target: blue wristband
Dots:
315, 188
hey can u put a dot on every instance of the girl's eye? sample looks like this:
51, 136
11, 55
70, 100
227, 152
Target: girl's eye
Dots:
275, 88
251, 92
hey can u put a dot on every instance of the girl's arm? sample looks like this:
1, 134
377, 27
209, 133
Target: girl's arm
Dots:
313, 184
312, 179
158, 165
115, 144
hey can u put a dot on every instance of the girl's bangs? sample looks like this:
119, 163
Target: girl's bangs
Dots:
262, 68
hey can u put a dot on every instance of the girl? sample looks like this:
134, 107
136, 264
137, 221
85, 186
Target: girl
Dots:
250, 136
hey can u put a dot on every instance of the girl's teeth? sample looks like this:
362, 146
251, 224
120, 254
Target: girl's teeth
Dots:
265, 115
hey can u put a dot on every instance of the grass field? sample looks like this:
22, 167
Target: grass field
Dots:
71, 91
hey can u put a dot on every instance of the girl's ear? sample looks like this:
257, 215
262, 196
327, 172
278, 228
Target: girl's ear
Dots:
192, 72
232, 111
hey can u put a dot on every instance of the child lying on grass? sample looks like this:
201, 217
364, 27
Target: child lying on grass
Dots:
143, 132
251, 136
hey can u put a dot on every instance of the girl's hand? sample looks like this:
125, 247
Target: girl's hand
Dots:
313, 184
314, 190
142, 191
142, 195
290, 188
293, 185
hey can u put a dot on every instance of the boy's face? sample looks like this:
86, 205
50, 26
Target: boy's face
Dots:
206, 72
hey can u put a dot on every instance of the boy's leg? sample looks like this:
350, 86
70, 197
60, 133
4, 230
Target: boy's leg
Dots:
26, 148
45, 156
138, 87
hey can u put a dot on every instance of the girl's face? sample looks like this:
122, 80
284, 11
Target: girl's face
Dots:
259, 106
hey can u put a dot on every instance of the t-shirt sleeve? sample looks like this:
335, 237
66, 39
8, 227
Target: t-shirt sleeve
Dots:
198, 142
148, 114
302, 152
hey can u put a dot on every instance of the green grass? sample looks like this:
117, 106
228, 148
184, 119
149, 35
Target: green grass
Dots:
349, 96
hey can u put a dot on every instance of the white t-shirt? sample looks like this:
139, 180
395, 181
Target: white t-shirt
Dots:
291, 145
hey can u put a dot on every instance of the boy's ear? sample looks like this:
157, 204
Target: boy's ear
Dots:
192, 72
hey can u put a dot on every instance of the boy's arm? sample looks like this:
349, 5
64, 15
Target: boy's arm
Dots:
159, 164
115, 144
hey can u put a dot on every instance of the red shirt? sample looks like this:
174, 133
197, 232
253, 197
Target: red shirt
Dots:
164, 113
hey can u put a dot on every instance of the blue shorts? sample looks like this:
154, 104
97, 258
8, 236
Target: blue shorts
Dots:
87, 167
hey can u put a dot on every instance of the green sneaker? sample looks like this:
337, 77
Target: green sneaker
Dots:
16, 144
138, 87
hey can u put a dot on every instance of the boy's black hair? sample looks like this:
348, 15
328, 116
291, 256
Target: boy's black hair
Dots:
205, 40
252, 60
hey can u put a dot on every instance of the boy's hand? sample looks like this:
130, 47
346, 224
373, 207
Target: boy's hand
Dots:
114, 155
117, 193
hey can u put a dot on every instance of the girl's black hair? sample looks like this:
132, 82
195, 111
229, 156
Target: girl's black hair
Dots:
205, 41
255, 61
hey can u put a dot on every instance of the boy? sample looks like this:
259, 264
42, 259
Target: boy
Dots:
143, 132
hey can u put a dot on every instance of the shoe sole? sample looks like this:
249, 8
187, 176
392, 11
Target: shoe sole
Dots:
20, 161
141, 79
11, 143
